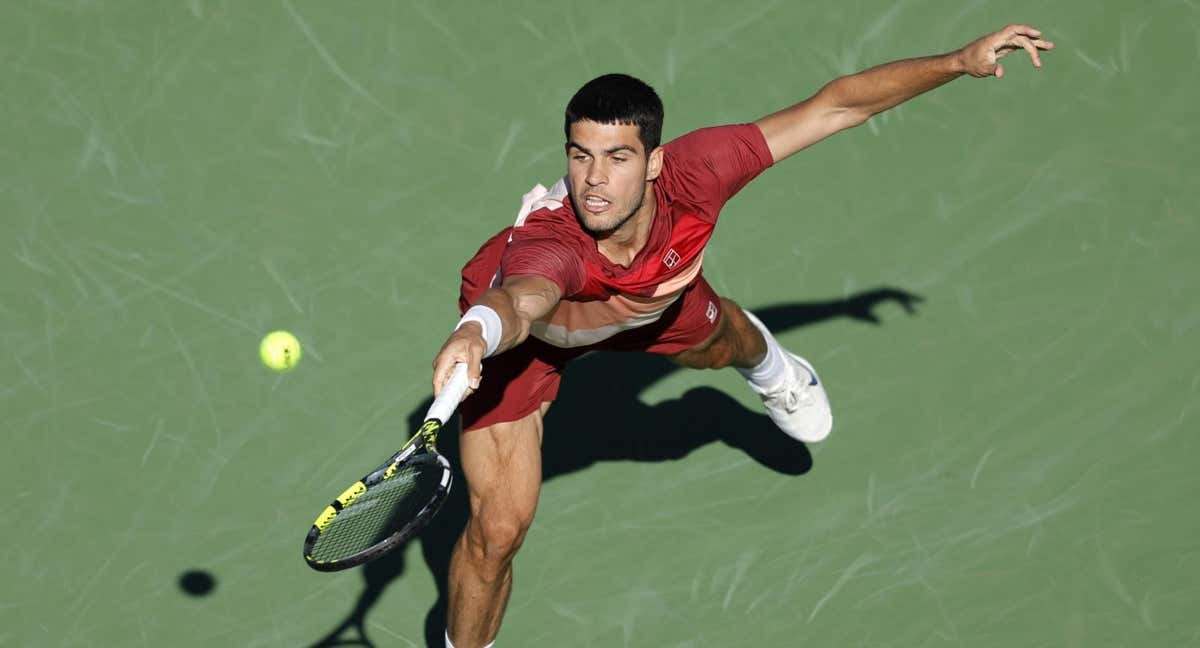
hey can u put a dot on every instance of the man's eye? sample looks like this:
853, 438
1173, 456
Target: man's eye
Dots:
618, 159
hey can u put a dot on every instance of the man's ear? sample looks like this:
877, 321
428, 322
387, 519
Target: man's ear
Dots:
654, 164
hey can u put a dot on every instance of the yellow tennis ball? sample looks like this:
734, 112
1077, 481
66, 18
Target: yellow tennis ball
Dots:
280, 350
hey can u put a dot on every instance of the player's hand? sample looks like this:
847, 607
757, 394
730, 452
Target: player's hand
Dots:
982, 57
464, 345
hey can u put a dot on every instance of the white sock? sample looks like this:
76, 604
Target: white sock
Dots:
772, 371
450, 645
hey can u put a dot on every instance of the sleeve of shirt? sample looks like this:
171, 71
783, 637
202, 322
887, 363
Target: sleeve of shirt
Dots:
544, 256
708, 166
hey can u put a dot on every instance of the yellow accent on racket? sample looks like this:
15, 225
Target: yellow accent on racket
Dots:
325, 518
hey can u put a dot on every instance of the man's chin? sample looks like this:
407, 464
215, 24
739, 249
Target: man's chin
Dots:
600, 226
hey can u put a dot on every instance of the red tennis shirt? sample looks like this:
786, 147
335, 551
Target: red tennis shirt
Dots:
701, 171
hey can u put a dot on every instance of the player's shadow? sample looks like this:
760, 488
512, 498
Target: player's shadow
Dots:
580, 433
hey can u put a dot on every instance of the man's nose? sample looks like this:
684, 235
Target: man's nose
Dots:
596, 174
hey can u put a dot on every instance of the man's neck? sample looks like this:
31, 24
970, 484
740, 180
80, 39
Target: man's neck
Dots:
622, 245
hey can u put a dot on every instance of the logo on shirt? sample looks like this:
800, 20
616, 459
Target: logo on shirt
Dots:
671, 259
711, 312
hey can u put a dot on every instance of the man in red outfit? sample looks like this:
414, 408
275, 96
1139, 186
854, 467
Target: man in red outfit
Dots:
609, 258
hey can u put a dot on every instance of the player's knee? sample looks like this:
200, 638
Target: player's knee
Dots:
495, 538
719, 355
714, 354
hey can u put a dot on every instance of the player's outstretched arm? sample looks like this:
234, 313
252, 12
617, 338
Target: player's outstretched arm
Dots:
851, 100
498, 321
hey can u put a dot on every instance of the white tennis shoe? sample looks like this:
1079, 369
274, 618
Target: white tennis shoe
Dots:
797, 404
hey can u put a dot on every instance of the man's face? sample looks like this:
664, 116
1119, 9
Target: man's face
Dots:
607, 170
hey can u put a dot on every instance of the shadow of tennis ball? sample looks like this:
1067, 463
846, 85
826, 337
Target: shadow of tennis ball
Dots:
197, 582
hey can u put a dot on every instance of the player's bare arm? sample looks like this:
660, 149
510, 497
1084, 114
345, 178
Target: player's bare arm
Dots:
851, 100
517, 303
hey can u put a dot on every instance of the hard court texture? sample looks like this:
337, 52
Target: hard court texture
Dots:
1013, 464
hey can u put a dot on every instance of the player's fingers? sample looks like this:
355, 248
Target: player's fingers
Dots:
474, 369
1027, 45
1022, 30
437, 383
441, 373
1043, 44
443, 367
999, 71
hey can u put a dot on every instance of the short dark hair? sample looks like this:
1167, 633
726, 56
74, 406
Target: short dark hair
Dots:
618, 99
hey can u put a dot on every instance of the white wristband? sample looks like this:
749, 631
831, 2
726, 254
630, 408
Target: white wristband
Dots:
489, 321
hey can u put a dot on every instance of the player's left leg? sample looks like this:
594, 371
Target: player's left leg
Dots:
788, 385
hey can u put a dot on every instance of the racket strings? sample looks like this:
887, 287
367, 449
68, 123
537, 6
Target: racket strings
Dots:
383, 510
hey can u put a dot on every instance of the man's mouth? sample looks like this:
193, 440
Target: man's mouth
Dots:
595, 204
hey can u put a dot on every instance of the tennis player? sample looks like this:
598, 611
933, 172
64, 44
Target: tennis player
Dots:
610, 258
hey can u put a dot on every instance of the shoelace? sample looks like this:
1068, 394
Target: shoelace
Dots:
793, 396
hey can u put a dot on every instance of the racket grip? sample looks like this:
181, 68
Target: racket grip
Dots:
451, 395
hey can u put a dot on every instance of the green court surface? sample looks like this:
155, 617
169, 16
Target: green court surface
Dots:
1014, 463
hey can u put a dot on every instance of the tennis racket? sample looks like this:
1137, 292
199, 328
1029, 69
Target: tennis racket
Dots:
393, 502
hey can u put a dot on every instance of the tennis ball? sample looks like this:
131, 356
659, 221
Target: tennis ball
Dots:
280, 350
